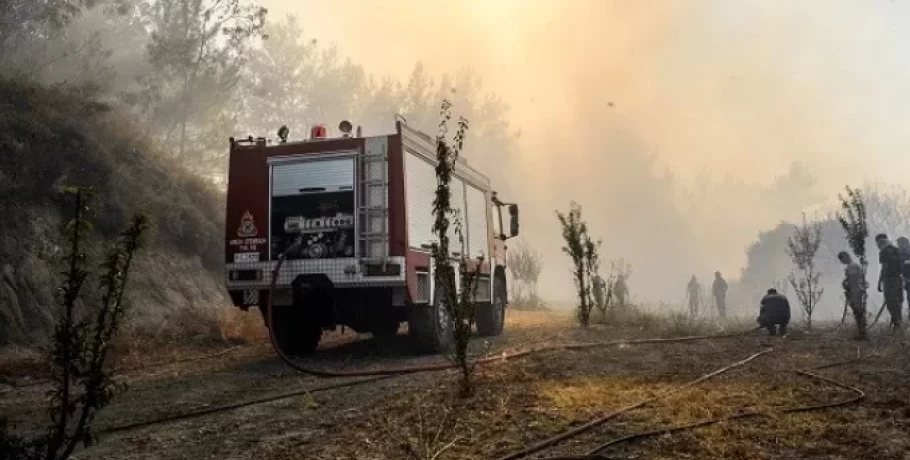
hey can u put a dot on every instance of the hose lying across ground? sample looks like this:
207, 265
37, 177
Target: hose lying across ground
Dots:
605, 418
596, 453
229, 407
859, 395
385, 373
140, 367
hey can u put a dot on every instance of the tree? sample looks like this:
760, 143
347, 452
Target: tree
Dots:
83, 344
197, 50
525, 264
277, 82
887, 208
852, 218
33, 32
583, 252
592, 266
619, 269
802, 248
459, 306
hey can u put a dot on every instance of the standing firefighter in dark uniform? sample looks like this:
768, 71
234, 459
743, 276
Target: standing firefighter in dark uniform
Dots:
774, 313
719, 289
890, 280
854, 285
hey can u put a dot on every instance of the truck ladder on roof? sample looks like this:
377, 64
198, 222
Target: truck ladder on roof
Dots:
374, 200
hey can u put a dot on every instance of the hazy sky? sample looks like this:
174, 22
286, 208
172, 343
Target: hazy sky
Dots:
732, 88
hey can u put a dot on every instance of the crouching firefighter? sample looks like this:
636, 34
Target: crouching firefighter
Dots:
774, 312
854, 285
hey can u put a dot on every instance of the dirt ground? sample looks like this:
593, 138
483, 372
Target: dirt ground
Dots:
516, 403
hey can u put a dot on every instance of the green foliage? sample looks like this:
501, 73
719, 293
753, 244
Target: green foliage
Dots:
802, 248
585, 261
853, 221
460, 307
81, 372
525, 264
197, 51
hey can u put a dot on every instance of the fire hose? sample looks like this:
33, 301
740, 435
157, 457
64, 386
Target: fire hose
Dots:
597, 452
605, 418
858, 396
440, 366
382, 374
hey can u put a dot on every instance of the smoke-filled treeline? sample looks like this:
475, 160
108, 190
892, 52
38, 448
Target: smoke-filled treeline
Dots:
191, 73
768, 265
138, 98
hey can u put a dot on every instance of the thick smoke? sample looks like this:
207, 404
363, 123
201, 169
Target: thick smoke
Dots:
684, 128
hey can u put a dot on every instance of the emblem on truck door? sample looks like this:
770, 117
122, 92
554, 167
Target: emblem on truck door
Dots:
247, 226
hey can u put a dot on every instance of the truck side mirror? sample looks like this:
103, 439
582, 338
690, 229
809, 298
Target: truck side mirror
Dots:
513, 223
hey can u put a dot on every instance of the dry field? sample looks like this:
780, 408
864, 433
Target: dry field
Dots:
517, 402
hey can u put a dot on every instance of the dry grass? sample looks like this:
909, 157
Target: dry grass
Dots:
519, 403
664, 321
513, 410
187, 333
241, 326
530, 320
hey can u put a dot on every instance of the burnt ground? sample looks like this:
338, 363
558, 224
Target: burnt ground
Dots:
516, 403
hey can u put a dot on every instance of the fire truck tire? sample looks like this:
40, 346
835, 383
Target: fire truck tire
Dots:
294, 333
490, 317
430, 327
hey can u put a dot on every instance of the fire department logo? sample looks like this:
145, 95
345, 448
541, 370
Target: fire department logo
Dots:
247, 226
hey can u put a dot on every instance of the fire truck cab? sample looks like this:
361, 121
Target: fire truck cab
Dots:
361, 212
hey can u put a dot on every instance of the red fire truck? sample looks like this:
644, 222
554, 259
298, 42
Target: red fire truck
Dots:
360, 210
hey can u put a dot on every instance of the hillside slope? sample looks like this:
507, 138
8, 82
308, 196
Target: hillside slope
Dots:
52, 137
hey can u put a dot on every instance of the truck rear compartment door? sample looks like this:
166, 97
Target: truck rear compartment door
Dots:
315, 198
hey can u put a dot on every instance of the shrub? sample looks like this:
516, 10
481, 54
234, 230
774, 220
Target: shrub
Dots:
83, 339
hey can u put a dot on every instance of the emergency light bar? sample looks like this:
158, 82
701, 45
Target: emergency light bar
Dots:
319, 132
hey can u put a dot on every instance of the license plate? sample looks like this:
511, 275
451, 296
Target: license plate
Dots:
246, 257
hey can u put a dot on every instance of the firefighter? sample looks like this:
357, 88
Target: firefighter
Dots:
719, 289
620, 289
774, 313
599, 287
692, 292
903, 244
854, 290
890, 281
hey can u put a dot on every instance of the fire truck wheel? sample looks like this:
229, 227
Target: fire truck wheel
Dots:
294, 333
430, 326
490, 317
